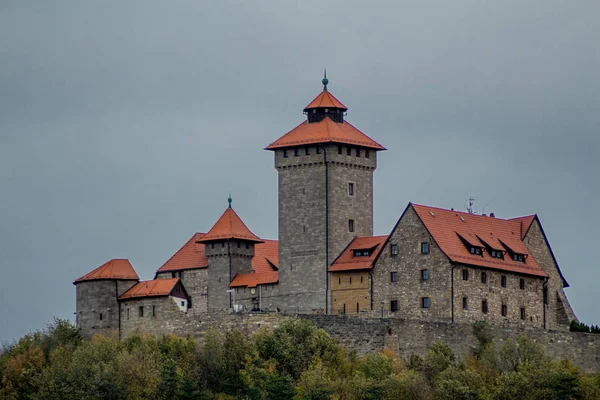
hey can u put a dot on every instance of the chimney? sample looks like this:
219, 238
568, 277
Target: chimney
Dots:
492, 215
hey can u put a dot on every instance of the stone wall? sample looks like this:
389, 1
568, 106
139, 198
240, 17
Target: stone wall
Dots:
96, 305
302, 206
559, 311
195, 282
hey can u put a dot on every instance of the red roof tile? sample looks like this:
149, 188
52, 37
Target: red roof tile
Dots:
324, 131
252, 280
526, 222
347, 261
154, 288
266, 256
447, 227
325, 100
113, 269
190, 256
230, 226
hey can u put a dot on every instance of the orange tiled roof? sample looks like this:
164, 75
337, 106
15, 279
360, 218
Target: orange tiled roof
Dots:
191, 255
266, 256
230, 226
447, 227
325, 100
325, 131
348, 262
113, 269
526, 221
154, 288
252, 280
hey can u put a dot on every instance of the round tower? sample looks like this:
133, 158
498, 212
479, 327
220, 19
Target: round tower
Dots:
97, 294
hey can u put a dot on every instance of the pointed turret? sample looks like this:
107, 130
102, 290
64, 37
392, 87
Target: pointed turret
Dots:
229, 226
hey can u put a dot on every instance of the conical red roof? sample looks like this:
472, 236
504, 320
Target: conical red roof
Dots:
325, 100
230, 226
113, 269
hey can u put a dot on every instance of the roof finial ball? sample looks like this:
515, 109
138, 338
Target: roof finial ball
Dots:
325, 81
229, 200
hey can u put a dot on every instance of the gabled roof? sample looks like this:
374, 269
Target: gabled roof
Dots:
191, 256
325, 100
324, 131
266, 256
229, 226
347, 261
113, 269
153, 288
252, 280
525, 223
447, 227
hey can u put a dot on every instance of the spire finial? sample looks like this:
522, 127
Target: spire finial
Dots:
325, 81
229, 200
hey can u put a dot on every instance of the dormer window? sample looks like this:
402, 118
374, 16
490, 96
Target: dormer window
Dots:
476, 250
519, 257
362, 253
497, 253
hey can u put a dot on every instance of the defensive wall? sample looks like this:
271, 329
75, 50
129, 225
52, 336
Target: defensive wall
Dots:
364, 335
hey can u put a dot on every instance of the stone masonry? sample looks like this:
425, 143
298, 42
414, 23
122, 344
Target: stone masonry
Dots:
195, 282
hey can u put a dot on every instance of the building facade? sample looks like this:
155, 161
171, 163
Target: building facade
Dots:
435, 264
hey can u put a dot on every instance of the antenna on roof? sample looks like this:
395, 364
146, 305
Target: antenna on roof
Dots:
229, 200
325, 81
469, 207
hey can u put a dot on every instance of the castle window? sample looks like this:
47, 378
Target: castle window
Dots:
357, 311
181, 274
173, 274
522, 313
247, 245
348, 151
522, 283
465, 303
484, 306
212, 245
141, 311
307, 151
361, 279
318, 150
239, 244
296, 152
394, 249
127, 312
424, 274
465, 274
367, 153
339, 149
425, 302
394, 305
483, 277
476, 250
504, 310
394, 276
425, 248
350, 280
339, 281
519, 257
350, 225
362, 253
153, 311
503, 280
182, 303
496, 254
223, 244
285, 154
351, 188
357, 152
100, 316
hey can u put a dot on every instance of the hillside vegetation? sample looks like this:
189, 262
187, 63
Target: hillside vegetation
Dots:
295, 360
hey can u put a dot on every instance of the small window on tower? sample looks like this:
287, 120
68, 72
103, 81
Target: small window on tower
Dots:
339, 149
141, 311
465, 303
350, 225
465, 274
296, 152
100, 316
307, 151
349, 151
425, 248
285, 154
394, 305
522, 313
503, 280
522, 283
504, 310
394, 249
424, 274
484, 306
484, 277
318, 150
350, 188
394, 276
357, 152
367, 153
425, 302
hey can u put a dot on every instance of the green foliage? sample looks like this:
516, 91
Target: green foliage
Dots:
294, 361
581, 327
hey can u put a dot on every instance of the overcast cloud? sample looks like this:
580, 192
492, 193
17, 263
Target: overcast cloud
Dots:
124, 125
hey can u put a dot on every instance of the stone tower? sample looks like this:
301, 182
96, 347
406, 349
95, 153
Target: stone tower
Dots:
97, 294
325, 182
229, 248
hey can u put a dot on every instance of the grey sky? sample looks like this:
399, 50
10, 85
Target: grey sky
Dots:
124, 125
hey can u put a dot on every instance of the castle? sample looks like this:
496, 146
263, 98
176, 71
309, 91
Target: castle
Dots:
436, 265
